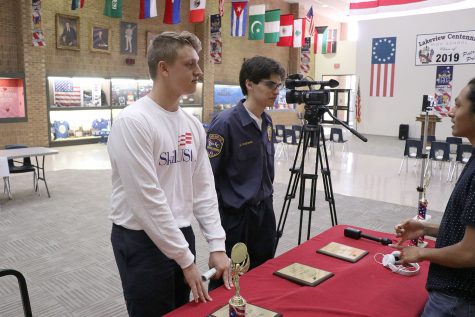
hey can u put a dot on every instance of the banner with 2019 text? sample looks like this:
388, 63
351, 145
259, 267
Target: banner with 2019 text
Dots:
449, 48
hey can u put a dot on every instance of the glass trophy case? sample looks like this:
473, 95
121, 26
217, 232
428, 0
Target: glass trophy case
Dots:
82, 109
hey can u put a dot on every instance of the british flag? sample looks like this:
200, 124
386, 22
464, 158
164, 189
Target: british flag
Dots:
184, 139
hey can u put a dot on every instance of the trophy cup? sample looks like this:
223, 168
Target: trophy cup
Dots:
239, 265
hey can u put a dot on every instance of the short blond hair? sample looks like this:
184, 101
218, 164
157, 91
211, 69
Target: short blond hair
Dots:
165, 47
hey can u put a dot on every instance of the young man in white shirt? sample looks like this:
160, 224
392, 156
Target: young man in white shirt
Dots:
161, 177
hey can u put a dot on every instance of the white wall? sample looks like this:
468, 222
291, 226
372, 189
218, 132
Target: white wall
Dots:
382, 115
345, 56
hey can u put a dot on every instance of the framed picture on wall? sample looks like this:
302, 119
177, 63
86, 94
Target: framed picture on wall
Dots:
67, 32
12, 98
128, 38
100, 39
149, 40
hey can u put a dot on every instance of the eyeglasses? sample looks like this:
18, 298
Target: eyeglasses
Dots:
272, 85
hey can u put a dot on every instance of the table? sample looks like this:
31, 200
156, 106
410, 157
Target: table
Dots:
433, 119
30, 152
364, 288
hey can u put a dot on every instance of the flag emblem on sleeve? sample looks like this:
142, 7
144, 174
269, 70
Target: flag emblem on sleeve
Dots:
383, 62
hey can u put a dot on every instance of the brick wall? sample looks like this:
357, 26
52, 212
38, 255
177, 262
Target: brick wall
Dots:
17, 54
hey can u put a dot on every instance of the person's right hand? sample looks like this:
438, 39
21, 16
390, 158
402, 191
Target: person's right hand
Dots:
193, 279
408, 230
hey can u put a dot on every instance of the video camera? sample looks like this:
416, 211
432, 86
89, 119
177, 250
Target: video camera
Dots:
312, 99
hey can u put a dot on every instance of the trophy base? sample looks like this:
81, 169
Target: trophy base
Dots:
251, 311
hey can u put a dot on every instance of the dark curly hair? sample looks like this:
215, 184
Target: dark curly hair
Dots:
257, 68
471, 94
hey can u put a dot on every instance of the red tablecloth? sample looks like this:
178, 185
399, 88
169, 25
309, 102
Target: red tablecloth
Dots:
364, 288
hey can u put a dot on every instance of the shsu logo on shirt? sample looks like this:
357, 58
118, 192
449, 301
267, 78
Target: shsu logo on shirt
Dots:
182, 154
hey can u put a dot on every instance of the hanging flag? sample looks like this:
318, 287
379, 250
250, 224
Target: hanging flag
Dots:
76, 4
148, 9
443, 89
299, 29
38, 38
375, 6
113, 8
221, 7
256, 21
286, 30
329, 41
272, 26
305, 56
317, 43
358, 104
383, 61
216, 44
197, 11
309, 18
238, 18
172, 12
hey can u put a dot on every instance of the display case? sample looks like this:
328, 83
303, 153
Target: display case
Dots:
12, 98
81, 110
339, 106
226, 96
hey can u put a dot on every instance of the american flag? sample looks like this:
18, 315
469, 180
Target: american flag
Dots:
383, 61
376, 6
184, 139
66, 94
309, 18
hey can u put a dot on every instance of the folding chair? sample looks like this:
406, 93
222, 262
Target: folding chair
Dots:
440, 152
19, 167
412, 150
25, 299
464, 151
336, 136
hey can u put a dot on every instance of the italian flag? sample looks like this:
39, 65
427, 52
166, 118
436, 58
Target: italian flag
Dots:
272, 26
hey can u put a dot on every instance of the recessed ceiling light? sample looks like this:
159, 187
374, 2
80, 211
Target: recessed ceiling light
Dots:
324, 5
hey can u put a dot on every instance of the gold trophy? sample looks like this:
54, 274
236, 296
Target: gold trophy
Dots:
239, 265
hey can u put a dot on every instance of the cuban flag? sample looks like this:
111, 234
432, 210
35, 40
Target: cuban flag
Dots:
383, 65
172, 12
148, 9
238, 18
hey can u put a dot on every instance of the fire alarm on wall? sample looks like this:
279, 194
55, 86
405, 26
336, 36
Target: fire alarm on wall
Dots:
336, 66
130, 61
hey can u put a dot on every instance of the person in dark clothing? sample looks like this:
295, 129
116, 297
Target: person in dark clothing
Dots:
240, 148
451, 278
69, 36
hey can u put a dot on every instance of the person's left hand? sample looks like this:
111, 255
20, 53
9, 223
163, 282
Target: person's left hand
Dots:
409, 254
220, 261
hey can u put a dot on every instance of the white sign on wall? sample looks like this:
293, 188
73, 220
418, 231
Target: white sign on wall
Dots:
445, 48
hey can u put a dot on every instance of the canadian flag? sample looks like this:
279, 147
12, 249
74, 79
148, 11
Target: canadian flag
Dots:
197, 11
286, 30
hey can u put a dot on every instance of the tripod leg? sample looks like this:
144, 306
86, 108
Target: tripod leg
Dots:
327, 183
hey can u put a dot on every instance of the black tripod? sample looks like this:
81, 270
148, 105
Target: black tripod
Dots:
311, 135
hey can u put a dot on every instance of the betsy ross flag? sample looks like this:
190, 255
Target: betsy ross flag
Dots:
309, 18
375, 6
66, 94
76, 4
238, 18
172, 12
184, 139
148, 9
197, 11
299, 29
272, 26
383, 61
113, 8
256, 21
286, 30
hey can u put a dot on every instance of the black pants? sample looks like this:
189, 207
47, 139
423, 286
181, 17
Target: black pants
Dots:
252, 225
153, 284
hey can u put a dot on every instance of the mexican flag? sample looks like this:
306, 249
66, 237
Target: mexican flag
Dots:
256, 21
272, 26
286, 30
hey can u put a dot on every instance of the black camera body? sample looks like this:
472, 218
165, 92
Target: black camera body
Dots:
314, 100
310, 97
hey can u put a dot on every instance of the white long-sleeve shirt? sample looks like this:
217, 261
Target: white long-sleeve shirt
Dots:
161, 175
